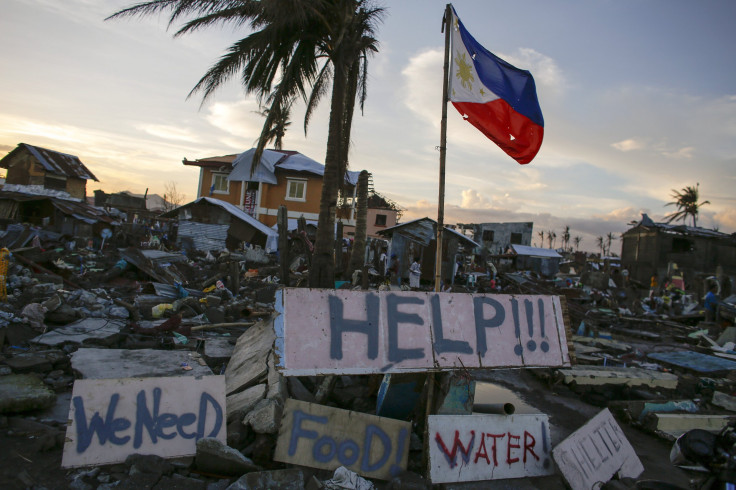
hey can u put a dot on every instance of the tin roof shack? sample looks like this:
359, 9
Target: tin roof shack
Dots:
35, 166
210, 224
495, 238
418, 238
63, 216
123, 201
543, 261
650, 247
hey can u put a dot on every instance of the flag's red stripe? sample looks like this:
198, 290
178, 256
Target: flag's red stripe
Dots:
498, 120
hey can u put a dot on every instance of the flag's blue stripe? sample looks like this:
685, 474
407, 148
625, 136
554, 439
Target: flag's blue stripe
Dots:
515, 86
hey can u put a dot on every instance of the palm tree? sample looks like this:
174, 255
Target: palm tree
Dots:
609, 239
281, 122
541, 238
577, 241
601, 244
687, 204
551, 236
357, 256
306, 44
566, 237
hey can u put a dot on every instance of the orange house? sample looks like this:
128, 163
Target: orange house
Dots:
281, 178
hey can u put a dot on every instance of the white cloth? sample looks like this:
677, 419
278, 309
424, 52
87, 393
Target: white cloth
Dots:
415, 272
384, 263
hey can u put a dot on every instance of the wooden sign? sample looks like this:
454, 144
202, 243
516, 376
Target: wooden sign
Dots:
324, 437
488, 447
321, 331
595, 452
110, 419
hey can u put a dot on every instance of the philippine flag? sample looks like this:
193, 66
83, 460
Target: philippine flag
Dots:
495, 96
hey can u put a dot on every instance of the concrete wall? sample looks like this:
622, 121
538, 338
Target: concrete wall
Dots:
502, 235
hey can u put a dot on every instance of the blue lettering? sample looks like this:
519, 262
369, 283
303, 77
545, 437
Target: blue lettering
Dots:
320, 455
342, 450
297, 431
203, 401
481, 323
143, 417
104, 429
164, 421
184, 421
394, 316
441, 344
338, 325
370, 431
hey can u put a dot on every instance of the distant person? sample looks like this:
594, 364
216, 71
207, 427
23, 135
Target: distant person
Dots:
711, 303
384, 262
393, 271
415, 272
653, 283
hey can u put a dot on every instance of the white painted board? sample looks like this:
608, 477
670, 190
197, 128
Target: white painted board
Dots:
488, 447
595, 452
327, 331
109, 419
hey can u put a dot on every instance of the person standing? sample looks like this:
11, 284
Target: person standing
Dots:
393, 271
384, 264
415, 272
711, 303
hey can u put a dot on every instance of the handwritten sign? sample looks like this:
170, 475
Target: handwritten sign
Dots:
488, 447
322, 331
109, 419
595, 452
324, 437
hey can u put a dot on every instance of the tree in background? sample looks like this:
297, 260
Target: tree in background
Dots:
357, 256
294, 48
172, 197
687, 204
566, 238
551, 237
609, 239
577, 241
281, 123
541, 238
600, 241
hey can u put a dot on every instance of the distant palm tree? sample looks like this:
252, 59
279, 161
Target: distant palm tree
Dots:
687, 204
577, 241
281, 122
541, 238
551, 236
609, 239
566, 238
601, 244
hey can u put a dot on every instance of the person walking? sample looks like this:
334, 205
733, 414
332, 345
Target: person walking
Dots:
415, 272
393, 271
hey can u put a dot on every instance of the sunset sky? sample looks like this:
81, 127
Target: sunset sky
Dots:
638, 97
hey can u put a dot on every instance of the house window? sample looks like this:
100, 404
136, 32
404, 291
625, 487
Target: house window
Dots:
380, 220
220, 184
487, 235
516, 238
296, 190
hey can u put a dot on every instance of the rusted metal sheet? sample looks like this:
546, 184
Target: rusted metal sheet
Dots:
59, 163
321, 331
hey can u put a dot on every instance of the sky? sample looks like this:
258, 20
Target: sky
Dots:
638, 98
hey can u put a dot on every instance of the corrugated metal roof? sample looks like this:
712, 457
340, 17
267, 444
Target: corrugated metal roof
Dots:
59, 163
534, 251
78, 210
414, 223
204, 236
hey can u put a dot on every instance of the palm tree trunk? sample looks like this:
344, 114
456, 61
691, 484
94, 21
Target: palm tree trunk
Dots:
357, 257
322, 271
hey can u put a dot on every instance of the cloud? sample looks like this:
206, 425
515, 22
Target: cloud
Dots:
239, 118
628, 145
168, 132
548, 76
472, 199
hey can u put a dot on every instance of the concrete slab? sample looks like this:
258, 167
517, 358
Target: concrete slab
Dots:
631, 376
218, 348
248, 364
24, 392
81, 331
724, 401
141, 363
676, 424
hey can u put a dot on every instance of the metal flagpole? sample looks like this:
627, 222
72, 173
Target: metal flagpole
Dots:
446, 25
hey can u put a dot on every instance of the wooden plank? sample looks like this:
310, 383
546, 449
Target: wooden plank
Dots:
324, 437
676, 424
488, 447
110, 419
594, 453
355, 332
248, 364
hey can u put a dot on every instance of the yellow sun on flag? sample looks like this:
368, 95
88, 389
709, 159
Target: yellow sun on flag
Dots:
463, 71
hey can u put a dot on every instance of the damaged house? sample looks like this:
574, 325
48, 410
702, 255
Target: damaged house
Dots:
495, 238
212, 224
282, 177
39, 168
648, 248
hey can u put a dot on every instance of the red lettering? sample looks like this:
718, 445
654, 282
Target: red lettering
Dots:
482, 452
509, 460
529, 446
451, 456
493, 448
